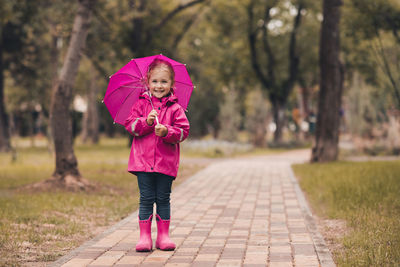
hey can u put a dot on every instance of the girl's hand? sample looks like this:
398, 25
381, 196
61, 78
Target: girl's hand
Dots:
161, 130
151, 117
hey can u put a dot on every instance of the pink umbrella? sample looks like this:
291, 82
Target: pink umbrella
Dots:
129, 82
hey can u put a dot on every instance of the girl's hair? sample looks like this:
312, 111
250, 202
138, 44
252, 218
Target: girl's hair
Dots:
160, 63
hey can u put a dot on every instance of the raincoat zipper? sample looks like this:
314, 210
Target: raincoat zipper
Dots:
157, 137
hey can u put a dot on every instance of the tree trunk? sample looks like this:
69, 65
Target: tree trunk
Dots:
305, 101
259, 139
4, 131
278, 110
331, 84
54, 60
138, 29
66, 173
301, 116
90, 124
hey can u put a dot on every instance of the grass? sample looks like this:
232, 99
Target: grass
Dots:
367, 196
41, 227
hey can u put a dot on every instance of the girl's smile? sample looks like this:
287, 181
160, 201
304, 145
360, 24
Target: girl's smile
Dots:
160, 82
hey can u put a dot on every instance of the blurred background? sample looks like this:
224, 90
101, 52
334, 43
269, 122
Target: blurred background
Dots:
257, 67
230, 103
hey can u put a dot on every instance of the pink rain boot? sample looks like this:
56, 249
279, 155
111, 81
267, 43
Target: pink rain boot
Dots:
163, 242
145, 243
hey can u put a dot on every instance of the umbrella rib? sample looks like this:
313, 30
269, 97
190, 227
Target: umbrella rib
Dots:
133, 87
138, 69
134, 81
122, 105
184, 83
125, 86
107, 96
127, 74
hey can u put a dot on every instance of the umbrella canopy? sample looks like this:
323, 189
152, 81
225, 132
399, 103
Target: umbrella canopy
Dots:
129, 82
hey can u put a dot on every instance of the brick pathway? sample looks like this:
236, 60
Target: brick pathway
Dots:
241, 212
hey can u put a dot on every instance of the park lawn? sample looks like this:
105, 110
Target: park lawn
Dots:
366, 195
42, 226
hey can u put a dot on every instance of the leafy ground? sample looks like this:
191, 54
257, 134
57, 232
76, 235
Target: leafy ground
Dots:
365, 198
42, 226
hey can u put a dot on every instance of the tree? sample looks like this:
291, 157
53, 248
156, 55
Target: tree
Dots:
278, 87
308, 76
11, 24
373, 30
26, 66
134, 25
66, 171
126, 29
217, 57
143, 31
4, 133
331, 85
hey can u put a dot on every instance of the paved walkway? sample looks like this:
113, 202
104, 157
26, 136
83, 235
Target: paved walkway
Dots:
240, 212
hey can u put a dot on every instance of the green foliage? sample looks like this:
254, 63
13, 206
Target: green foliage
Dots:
365, 107
203, 109
366, 196
211, 38
308, 46
108, 33
371, 16
217, 55
371, 44
279, 29
27, 32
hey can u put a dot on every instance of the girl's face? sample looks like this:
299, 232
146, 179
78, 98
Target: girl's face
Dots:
160, 82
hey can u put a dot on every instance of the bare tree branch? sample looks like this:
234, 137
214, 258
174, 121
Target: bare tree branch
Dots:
186, 28
267, 47
97, 65
103, 20
252, 36
386, 68
293, 57
169, 16
278, 91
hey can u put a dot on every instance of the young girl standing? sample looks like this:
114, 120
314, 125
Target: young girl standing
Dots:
158, 124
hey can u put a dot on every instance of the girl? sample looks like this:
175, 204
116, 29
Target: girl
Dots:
158, 124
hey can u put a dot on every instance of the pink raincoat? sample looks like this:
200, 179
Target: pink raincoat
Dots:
151, 153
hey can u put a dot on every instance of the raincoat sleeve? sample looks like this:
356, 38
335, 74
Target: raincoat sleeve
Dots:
179, 130
136, 123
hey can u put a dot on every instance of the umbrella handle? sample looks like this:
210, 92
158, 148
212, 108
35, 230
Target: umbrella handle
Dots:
151, 102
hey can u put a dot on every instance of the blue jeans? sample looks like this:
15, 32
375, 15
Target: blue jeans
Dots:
154, 188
